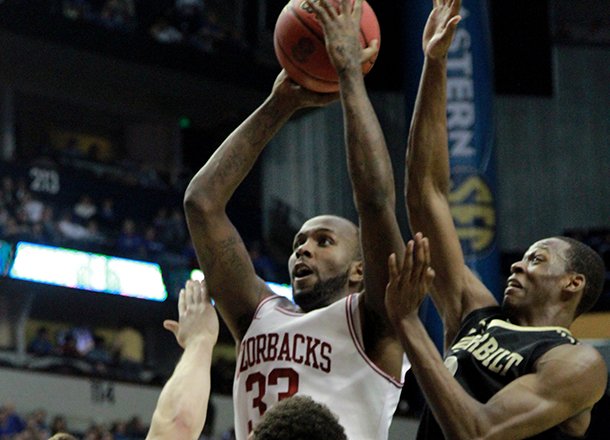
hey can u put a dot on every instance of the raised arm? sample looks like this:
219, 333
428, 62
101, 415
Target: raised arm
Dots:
369, 163
566, 382
220, 250
181, 408
456, 290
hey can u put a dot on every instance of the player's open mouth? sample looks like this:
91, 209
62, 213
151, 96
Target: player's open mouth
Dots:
301, 270
512, 282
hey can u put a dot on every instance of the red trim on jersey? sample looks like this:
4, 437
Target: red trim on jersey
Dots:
360, 348
263, 302
239, 350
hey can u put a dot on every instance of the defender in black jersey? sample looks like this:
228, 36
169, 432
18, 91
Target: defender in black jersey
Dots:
512, 372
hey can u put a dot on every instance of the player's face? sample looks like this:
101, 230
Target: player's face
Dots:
539, 277
322, 258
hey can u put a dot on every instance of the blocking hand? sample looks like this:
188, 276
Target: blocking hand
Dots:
197, 318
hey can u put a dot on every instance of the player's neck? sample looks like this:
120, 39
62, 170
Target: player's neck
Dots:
548, 317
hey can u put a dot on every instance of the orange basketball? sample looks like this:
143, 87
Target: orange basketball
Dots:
298, 40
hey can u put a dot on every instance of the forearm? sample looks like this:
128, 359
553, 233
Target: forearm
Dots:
368, 159
182, 405
372, 180
427, 144
458, 414
217, 180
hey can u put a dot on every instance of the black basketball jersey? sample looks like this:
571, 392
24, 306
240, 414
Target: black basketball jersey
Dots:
488, 353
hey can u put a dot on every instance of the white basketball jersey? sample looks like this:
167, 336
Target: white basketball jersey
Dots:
319, 354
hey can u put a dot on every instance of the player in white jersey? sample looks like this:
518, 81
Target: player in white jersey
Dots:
328, 259
284, 351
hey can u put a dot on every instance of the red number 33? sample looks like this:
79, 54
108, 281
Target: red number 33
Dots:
261, 382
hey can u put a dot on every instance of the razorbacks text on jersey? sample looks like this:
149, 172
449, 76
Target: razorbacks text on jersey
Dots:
319, 354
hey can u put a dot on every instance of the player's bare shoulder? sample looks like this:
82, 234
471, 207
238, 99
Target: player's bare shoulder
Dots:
580, 366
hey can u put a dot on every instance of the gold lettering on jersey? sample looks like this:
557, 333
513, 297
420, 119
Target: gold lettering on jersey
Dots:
286, 347
486, 350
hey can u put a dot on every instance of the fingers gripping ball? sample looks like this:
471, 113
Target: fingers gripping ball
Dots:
299, 45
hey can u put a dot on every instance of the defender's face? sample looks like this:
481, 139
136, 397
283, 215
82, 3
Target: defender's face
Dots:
322, 250
537, 278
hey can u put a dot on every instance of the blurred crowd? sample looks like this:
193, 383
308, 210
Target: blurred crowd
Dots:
203, 24
81, 350
35, 426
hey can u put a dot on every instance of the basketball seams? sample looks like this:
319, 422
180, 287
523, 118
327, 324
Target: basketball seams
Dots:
319, 36
307, 74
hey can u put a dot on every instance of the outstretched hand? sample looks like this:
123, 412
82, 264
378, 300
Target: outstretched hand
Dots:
342, 31
408, 285
440, 28
197, 318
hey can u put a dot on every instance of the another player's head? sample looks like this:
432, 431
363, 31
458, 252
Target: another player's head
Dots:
298, 418
326, 261
557, 270
62, 436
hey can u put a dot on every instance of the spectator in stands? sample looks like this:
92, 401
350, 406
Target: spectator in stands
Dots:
71, 231
119, 14
39, 417
59, 425
188, 17
99, 356
37, 234
148, 176
32, 430
13, 231
32, 207
95, 239
84, 209
10, 422
130, 243
153, 246
72, 149
119, 430
41, 344
164, 32
4, 216
7, 193
107, 216
136, 428
98, 432
49, 225
68, 347
176, 233
161, 222
21, 190
76, 9
128, 352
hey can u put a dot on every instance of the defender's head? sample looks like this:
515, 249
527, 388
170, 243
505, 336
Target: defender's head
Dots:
298, 418
556, 271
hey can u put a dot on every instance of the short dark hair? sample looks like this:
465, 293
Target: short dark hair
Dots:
63, 436
299, 418
584, 260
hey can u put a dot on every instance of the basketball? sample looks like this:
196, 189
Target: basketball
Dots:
298, 41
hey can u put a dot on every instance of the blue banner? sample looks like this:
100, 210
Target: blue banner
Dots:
470, 132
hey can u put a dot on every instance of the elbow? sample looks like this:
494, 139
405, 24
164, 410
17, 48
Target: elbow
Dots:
185, 427
199, 203
474, 432
375, 198
421, 192
414, 196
